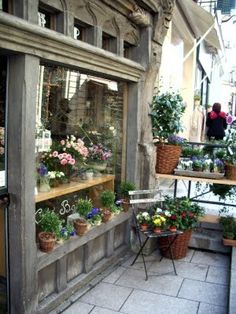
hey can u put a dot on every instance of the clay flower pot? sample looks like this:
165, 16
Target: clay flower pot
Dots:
157, 230
106, 215
47, 241
81, 226
144, 227
172, 228
125, 204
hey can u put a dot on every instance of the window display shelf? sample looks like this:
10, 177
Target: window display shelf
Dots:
68, 188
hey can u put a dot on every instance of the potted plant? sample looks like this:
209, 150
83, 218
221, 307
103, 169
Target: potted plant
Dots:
125, 187
230, 157
184, 215
50, 226
94, 217
83, 207
98, 157
107, 199
43, 177
228, 224
158, 223
167, 110
197, 164
144, 220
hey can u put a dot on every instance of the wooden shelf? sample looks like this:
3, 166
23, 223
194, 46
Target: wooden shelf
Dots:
207, 180
74, 187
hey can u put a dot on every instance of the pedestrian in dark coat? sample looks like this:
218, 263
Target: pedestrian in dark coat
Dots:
216, 123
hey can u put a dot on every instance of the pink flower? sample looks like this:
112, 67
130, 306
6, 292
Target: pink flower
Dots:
63, 162
62, 142
68, 145
64, 155
72, 161
60, 156
68, 157
55, 153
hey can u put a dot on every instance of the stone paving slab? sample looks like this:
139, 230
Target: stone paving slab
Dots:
79, 307
218, 275
165, 284
211, 309
142, 302
100, 310
107, 295
212, 259
204, 292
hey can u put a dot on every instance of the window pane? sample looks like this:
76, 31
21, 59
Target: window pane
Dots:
71, 103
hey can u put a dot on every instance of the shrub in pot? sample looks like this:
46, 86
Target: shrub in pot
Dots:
83, 207
228, 224
167, 110
50, 226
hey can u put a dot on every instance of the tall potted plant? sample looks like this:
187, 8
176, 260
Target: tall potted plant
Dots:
107, 198
125, 188
167, 110
83, 207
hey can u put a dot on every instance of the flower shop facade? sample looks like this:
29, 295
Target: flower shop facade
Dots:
76, 80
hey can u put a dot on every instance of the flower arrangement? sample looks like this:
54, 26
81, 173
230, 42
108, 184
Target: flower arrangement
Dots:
65, 154
55, 174
158, 221
143, 218
218, 165
94, 217
181, 212
176, 140
98, 153
42, 171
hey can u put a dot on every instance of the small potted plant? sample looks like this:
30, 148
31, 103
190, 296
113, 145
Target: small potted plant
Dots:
94, 217
144, 220
50, 226
55, 178
44, 185
218, 166
125, 187
228, 224
107, 199
197, 165
207, 165
83, 207
158, 223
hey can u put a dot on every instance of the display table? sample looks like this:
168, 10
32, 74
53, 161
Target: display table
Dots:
207, 218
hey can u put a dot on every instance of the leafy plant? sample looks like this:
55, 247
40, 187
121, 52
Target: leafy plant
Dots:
230, 141
49, 221
107, 198
167, 110
84, 207
229, 226
125, 187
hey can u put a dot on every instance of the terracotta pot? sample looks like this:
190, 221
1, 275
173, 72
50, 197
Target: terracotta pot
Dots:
143, 227
47, 241
81, 226
106, 215
125, 205
172, 229
157, 230
229, 242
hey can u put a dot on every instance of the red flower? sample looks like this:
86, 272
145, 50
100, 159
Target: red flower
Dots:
183, 215
173, 217
190, 214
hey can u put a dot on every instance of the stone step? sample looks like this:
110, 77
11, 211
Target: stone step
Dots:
208, 239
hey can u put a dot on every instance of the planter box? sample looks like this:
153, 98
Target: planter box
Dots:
229, 242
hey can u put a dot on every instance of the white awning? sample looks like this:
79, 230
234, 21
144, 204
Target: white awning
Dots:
201, 22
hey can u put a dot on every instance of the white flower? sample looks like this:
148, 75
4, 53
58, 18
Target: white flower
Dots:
158, 210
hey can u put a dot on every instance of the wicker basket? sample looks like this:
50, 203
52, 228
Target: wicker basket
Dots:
230, 171
167, 158
179, 247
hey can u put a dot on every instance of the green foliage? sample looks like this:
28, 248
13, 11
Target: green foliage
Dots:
49, 221
197, 97
229, 226
125, 187
182, 213
107, 198
189, 151
167, 110
230, 141
222, 190
84, 207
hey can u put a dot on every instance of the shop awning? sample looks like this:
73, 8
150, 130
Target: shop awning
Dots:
201, 22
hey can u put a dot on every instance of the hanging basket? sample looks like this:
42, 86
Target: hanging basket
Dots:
179, 247
230, 171
167, 157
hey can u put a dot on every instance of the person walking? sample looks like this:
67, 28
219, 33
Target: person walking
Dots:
216, 123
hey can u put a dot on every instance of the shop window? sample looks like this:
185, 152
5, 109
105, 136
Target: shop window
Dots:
49, 17
109, 42
82, 31
71, 103
3, 73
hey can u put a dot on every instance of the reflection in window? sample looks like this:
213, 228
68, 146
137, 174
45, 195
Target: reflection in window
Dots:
3, 71
88, 107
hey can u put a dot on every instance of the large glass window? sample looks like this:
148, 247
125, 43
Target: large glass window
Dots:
3, 71
84, 107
